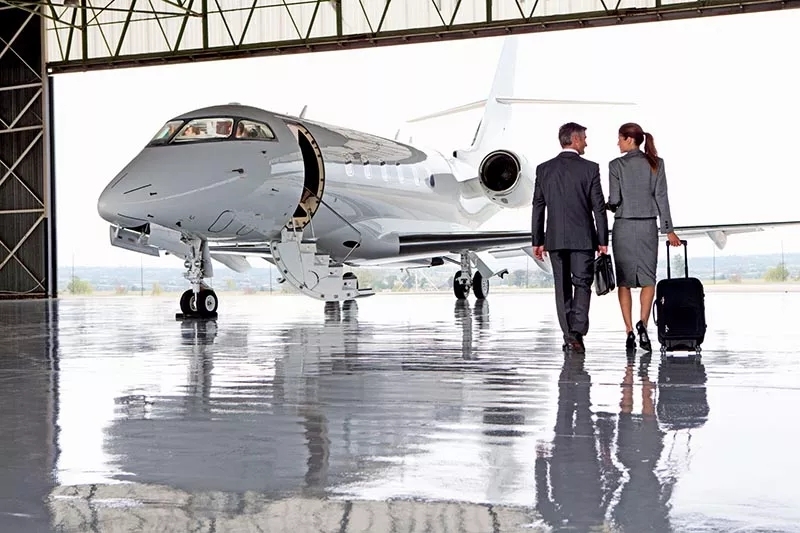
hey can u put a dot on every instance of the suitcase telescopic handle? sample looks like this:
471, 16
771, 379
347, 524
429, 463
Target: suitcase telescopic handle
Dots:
685, 259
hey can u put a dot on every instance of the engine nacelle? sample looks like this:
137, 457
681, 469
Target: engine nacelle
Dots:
506, 179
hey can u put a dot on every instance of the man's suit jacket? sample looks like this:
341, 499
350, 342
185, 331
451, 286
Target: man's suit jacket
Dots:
635, 191
568, 186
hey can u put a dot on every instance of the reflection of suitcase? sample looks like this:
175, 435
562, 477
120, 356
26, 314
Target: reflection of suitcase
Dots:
679, 310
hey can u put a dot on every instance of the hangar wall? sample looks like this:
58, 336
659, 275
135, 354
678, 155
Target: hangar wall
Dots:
27, 226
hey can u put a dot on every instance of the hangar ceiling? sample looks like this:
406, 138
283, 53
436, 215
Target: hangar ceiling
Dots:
92, 34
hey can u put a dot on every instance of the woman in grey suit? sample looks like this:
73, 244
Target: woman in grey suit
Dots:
637, 195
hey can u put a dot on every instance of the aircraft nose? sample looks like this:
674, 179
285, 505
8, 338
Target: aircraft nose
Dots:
111, 204
106, 206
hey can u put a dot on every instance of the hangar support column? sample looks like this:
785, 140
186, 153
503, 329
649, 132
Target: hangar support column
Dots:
27, 207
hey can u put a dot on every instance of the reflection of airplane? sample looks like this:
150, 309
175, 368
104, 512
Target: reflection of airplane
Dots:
325, 416
231, 181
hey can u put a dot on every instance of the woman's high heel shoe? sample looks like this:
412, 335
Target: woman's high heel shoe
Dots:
630, 342
644, 339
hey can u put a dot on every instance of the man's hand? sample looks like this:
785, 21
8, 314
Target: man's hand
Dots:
602, 250
673, 239
539, 253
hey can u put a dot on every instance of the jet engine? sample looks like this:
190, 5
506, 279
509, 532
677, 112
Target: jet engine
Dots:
506, 178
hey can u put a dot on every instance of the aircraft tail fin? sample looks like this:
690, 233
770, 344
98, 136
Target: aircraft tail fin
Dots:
496, 115
497, 107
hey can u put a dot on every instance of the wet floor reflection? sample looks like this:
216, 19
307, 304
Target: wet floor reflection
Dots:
28, 413
450, 416
604, 469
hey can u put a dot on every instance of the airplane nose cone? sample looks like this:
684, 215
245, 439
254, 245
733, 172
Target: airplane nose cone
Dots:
106, 207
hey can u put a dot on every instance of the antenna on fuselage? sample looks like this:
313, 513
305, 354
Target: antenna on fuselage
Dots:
303, 112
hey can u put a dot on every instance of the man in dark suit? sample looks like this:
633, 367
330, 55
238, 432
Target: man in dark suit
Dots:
568, 186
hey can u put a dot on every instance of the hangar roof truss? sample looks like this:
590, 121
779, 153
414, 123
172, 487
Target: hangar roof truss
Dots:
97, 34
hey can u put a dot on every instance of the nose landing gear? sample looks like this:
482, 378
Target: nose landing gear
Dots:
200, 301
203, 304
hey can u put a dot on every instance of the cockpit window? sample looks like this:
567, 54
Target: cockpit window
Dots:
247, 129
203, 129
210, 129
166, 132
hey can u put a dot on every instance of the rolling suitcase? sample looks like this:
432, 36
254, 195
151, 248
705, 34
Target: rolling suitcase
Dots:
679, 310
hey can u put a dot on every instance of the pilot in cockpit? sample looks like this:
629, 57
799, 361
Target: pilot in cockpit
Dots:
224, 128
244, 132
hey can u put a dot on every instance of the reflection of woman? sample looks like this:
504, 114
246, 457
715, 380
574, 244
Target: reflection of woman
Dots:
639, 444
637, 194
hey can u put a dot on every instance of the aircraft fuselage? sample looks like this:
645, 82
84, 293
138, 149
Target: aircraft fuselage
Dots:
353, 187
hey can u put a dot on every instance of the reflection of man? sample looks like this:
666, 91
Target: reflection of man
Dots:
574, 472
568, 188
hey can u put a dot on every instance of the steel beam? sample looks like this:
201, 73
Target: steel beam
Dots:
26, 227
102, 34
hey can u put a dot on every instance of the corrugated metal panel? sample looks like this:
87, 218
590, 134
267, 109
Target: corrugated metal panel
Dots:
24, 259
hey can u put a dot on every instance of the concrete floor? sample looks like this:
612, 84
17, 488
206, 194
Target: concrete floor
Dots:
409, 413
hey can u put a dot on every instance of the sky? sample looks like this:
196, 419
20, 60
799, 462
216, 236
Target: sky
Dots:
718, 95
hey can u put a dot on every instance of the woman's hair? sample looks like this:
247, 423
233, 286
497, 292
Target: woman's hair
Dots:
634, 131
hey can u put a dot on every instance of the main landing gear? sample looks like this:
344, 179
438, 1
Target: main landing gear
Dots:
464, 281
200, 301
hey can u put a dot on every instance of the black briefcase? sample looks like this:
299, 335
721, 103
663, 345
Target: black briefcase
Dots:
604, 279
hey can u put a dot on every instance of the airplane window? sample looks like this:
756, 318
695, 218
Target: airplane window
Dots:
166, 132
247, 129
203, 129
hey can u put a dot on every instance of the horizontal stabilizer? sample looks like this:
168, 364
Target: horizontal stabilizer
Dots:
509, 100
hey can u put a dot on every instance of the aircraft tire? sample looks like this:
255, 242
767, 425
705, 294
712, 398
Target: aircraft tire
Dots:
207, 303
186, 301
461, 291
480, 286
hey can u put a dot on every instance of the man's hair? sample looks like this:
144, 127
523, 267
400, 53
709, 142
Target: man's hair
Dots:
565, 132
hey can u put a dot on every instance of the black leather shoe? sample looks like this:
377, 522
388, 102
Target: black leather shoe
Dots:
644, 339
576, 344
630, 342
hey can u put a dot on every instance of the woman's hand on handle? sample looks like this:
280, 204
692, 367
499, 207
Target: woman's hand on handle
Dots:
673, 239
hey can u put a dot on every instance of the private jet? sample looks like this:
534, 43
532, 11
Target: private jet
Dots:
230, 182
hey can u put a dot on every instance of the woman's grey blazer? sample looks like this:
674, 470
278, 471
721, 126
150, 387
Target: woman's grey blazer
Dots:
636, 191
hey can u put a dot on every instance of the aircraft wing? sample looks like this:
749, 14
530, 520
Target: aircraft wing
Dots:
501, 241
416, 246
502, 244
